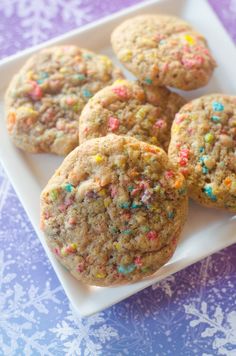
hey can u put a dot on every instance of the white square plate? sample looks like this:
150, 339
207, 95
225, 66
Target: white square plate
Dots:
206, 231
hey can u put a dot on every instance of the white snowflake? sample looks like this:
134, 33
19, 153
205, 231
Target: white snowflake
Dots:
221, 328
37, 17
89, 334
19, 310
165, 285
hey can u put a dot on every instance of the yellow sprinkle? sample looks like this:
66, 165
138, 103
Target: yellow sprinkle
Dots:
22, 109
175, 128
63, 70
209, 137
30, 74
126, 56
74, 246
141, 113
98, 158
153, 140
106, 61
117, 245
100, 275
107, 202
190, 39
102, 192
120, 81
178, 184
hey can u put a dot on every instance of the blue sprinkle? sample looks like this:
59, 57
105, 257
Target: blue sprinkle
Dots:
215, 119
170, 215
208, 191
86, 93
44, 75
40, 81
126, 269
204, 170
162, 42
125, 205
69, 187
201, 149
136, 206
217, 106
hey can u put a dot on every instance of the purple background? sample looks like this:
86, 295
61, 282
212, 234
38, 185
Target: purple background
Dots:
190, 313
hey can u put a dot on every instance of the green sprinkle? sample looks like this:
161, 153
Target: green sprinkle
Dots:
162, 42
40, 81
80, 76
127, 232
125, 205
86, 93
145, 228
53, 194
114, 229
145, 269
75, 108
215, 119
130, 188
87, 56
69, 187
126, 269
148, 81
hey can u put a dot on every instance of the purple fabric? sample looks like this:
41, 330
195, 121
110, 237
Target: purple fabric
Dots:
190, 313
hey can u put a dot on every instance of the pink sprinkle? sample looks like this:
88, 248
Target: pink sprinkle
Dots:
179, 118
135, 191
70, 101
113, 191
165, 67
191, 63
62, 208
36, 93
169, 174
160, 123
47, 215
152, 235
86, 130
57, 251
138, 261
113, 123
121, 91
184, 152
186, 49
80, 267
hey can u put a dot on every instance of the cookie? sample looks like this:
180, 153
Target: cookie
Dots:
113, 212
163, 50
133, 109
203, 145
44, 100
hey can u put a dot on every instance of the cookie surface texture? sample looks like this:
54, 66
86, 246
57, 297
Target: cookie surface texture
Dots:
203, 145
44, 100
163, 50
133, 109
113, 212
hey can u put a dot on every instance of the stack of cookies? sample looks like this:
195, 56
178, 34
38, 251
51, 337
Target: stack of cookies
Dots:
114, 210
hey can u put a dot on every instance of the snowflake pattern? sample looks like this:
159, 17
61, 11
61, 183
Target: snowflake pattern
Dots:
189, 313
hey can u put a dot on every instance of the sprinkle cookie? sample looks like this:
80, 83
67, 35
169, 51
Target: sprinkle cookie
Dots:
163, 50
129, 108
203, 145
113, 212
45, 99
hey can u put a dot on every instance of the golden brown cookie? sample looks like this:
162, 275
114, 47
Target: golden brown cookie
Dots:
113, 211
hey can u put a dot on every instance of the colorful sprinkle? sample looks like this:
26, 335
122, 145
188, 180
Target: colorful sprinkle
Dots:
130, 188
121, 91
125, 205
135, 205
100, 275
80, 267
127, 232
171, 215
159, 123
68, 250
152, 235
107, 201
86, 93
126, 269
209, 192
217, 106
148, 81
126, 56
69, 187
228, 182
189, 39
138, 261
205, 170
141, 113
215, 119
87, 56
209, 137
201, 149
53, 194
117, 245
36, 93
98, 158
113, 123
